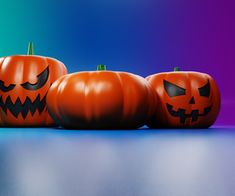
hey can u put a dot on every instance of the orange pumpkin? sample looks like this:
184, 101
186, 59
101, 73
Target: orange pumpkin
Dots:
187, 99
101, 100
24, 82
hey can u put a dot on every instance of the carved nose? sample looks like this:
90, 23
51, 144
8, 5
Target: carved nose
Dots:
192, 101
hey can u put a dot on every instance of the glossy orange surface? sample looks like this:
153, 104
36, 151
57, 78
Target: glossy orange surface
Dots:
101, 100
26, 69
189, 104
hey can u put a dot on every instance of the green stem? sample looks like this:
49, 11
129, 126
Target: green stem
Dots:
176, 69
101, 67
30, 49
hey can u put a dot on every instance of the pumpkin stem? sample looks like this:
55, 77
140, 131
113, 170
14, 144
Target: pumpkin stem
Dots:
101, 67
30, 49
176, 69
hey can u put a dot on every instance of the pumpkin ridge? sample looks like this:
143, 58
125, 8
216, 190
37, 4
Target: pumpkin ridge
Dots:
121, 120
190, 87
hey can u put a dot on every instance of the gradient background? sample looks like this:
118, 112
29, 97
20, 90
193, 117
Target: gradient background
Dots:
140, 36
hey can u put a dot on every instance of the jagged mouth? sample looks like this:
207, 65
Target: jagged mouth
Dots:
183, 116
23, 108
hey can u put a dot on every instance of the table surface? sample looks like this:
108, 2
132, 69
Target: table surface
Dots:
54, 162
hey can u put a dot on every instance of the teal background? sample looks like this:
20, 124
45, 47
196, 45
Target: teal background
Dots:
23, 21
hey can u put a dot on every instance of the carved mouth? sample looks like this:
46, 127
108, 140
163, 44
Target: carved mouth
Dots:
23, 108
182, 115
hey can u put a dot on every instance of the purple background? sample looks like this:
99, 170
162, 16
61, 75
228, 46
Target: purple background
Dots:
140, 36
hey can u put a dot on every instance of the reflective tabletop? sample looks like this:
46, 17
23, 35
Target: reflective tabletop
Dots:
144, 162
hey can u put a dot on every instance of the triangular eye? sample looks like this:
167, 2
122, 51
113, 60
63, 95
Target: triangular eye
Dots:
205, 90
172, 89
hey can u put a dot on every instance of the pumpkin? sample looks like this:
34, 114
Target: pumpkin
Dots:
101, 100
186, 99
24, 82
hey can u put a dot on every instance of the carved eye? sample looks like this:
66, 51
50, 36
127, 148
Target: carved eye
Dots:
42, 79
6, 88
205, 90
172, 89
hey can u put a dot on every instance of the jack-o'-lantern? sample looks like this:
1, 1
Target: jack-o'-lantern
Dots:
101, 100
24, 82
187, 99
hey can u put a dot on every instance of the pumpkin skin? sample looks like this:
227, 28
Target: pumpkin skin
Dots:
187, 100
24, 82
101, 100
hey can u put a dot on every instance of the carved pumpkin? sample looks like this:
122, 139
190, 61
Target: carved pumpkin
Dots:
187, 99
101, 100
24, 82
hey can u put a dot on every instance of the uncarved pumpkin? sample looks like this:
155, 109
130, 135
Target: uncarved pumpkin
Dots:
24, 82
186, 99
101, 100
